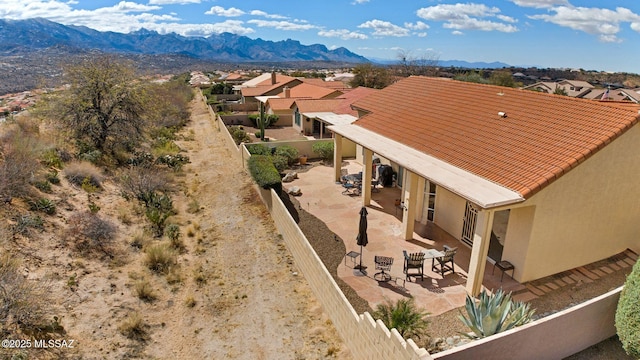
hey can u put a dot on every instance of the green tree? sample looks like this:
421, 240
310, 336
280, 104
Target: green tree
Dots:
103, 107
404, 316
472, 76
560, 91
628, 313
503, 78
371, 76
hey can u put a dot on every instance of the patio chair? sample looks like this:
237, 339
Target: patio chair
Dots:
413, 261
444, 264
383, 263
351, 188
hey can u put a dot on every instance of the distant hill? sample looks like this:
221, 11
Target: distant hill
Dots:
454, 63
24, 36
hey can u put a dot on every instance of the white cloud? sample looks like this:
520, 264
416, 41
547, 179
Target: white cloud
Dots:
604, 23
468, 17
457, 32
419, 25
170, 2
343, 34
540, 3
384, 28
267, 15
356, 2
282, 25
220, 11
422, 34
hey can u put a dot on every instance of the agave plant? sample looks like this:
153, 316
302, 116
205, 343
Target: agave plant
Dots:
404, 316
495, 313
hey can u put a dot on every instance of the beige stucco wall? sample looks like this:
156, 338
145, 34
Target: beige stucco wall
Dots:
588, 214
449, 211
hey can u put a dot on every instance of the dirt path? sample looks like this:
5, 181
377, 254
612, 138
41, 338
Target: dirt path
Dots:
255, 304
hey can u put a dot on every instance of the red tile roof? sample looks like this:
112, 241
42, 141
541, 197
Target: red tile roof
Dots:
305, 90
542, 136
277, 104
317, 105
351, 97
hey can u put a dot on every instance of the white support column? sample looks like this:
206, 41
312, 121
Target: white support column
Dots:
337, 156
367, 162
479, 252
410, 202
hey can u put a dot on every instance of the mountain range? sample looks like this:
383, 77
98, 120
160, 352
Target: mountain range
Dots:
24, 36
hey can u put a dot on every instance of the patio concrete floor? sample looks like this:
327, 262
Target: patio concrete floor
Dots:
323, 198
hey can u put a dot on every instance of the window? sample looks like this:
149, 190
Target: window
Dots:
297, 117
429, 208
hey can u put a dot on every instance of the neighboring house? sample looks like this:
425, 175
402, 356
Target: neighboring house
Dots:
632, 95
312, 116
546, 182
273, 85
573, 88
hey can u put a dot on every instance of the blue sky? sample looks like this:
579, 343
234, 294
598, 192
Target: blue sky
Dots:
593, 35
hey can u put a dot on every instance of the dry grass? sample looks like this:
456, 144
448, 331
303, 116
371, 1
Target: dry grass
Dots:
160, 258
144, 291
134, 327
76, 172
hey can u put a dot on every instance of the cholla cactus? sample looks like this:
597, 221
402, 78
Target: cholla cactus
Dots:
495, 313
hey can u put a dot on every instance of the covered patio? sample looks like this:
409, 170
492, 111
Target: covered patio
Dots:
324, 198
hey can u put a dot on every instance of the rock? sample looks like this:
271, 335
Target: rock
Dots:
290, 176
295, 191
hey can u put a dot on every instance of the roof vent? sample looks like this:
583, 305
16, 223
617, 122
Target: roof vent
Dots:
502, 114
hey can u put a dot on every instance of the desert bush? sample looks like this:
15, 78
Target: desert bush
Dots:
43, 185
324, 150
264, 172
133, 327
173, 162
25, 222
89, 233
51, 158
628, 314
259, 149
52, 177
142, 159
144, 291
289, 152
493, 314
18, 163
159, 208
23, 302
76, 172
173, 233
43, 205
160, 258
142, 183
239, 135
404, 316
280, 162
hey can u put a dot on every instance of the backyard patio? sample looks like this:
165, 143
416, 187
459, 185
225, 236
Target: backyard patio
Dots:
438, 294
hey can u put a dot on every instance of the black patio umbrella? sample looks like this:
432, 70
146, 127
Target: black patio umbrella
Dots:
362, 238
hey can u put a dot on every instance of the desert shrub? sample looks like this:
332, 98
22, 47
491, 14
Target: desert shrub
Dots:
404, 316
258, 134
90, 233
494, 313
52, 177
280, 162
160, 258
77, 172
51, 158
133, 327
159, 209
173, 234
259, 149
628, 314
264, 173
24, 302
164, 146
254, 119
43, 185
18, 163
43, 205
288, 152
144, 291
92, 156
324, 150
25, 222
142, 183
239, 135
142, 159
173, 162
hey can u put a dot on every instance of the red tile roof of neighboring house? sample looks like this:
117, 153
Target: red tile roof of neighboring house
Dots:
305, 90
539, 138
317, 105
350, 97
280, 103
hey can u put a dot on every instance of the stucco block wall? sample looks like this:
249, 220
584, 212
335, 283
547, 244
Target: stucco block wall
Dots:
517, 239
588, 214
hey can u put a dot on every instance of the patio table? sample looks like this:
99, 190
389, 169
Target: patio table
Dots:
432, 253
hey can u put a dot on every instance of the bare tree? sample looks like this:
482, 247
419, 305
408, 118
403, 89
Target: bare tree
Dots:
409, 65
